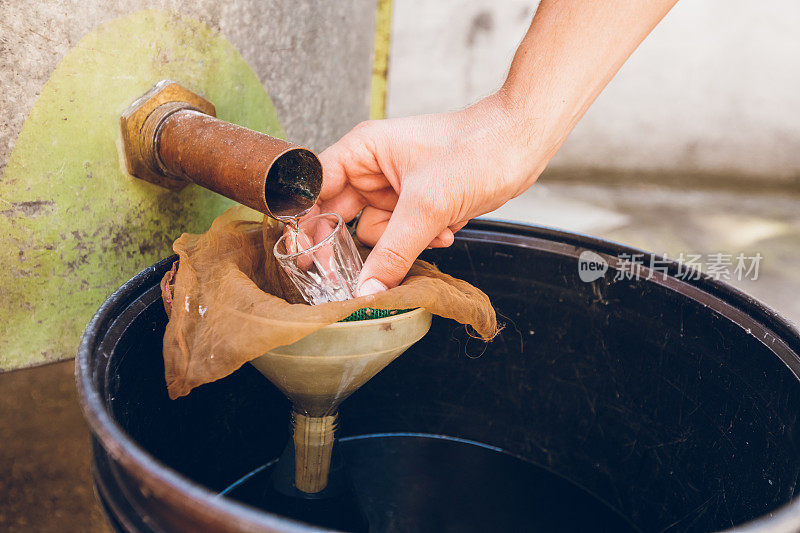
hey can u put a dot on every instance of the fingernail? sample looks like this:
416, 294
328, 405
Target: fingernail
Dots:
371, 286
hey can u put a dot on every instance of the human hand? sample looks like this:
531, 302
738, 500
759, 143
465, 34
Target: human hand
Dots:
418, 180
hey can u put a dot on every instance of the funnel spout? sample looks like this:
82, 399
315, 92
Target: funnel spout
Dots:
313, 446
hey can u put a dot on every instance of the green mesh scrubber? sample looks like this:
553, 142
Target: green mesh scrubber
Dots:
369, 313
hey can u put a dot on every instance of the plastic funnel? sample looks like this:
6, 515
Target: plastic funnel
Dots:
319, 371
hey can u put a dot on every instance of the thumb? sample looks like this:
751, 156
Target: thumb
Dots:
410, 230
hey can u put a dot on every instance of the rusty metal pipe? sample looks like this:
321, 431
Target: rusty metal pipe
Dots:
270, 175
171, 138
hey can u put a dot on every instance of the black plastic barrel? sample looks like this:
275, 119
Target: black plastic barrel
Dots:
671, 402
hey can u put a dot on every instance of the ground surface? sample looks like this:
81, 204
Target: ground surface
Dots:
44, 457
45, 483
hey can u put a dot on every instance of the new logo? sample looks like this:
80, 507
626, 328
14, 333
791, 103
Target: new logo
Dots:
591, 266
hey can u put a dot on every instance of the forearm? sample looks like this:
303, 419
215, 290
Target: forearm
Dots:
570, 53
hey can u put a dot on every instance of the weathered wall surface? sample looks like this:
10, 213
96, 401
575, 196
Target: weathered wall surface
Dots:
313, 58
73, 224
713, 90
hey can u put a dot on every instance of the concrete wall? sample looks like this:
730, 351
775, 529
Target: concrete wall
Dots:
313, 58
74, 225
715, 89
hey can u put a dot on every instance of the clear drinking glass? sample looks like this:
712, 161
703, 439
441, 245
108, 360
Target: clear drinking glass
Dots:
320, 258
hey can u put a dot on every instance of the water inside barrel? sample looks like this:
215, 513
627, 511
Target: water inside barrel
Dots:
409, 482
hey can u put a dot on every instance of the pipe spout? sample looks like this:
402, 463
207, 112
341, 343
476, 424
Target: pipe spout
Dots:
172, 137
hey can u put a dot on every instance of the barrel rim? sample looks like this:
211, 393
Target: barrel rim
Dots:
126, 451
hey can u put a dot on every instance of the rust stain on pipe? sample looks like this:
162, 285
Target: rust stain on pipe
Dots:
171, 137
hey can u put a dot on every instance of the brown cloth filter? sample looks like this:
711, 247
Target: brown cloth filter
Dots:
227, 301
